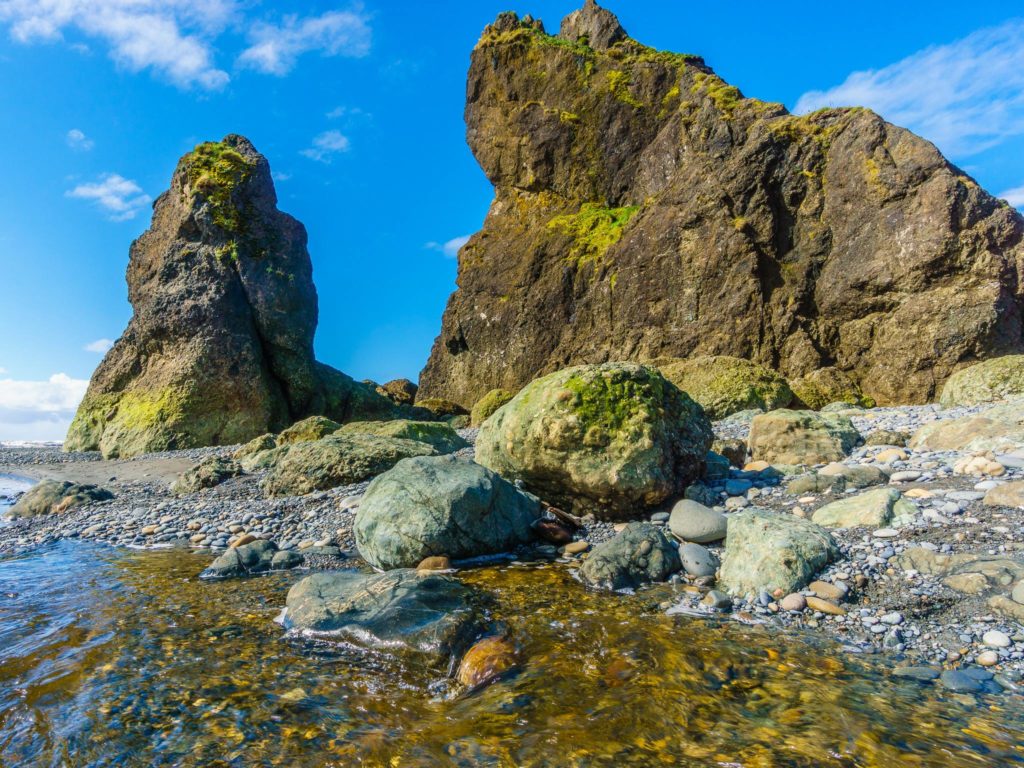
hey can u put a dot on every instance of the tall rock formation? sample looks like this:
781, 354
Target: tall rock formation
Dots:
220, 346
644, 208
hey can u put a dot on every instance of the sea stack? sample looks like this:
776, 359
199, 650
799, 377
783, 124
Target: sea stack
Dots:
220, 346
646, 209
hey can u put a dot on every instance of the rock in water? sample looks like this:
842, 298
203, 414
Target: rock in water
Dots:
440, 506
54, 496
641, 553
768, 551
427, 615
220, 346
644, 208
615, 438
801, 437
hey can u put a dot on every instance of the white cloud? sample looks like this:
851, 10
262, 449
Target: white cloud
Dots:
170, 37
966, 96
451, 247
122, 198
275, 48
100, 346
326, 145
1014, 197
78, 140
280, 176
39, 410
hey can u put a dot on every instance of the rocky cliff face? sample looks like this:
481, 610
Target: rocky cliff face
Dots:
644, 208
220, 346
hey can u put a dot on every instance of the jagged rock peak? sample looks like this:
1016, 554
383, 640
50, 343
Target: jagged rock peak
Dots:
593, 25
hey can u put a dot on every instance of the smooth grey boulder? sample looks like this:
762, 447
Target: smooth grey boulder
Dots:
400, 612
692, 521
256, 557
440, 505
698, 561
55, 496
639, 554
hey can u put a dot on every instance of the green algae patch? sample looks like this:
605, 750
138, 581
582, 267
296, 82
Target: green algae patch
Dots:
214, 171
436, 434
488, 404
595, 229
725, 385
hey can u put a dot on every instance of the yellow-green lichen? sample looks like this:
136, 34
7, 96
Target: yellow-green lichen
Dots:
618, 85
214, 171
724, 96
595, 229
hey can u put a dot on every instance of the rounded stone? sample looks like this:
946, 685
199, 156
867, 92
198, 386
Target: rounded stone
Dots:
692, 521
996, 639
697, 560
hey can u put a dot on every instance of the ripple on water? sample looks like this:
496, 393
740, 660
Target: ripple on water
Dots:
126, 658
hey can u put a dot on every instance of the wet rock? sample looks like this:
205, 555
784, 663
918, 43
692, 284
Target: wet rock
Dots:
435, 563
801, 437
56, 496
717, 600
208, 473
921, 674
441, 505
552, 531
488, 659
639, 554
438, 435
692, 521
249, 559
960, 682
870, 509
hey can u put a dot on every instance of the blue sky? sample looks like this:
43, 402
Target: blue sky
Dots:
359, 109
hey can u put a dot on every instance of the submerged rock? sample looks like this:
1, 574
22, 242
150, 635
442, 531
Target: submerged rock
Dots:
639, 554
337, 460
488, 659
440, 505
614, 439
56, 496
403, 612
207, 473
220, 346
436, 434
801, 437
248, 559
727, 385
766, 551
987, 382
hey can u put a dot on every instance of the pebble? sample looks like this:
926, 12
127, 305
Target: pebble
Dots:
996, 639
988, 658
824, 606
794, 602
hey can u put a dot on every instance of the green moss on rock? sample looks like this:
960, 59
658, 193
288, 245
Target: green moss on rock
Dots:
726, 385
434, 433
312, 428
488, 404
594, 229
826, 386
214, 171
1001, 378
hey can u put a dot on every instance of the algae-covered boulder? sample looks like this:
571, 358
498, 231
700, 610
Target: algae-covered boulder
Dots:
615, 438
429, 617
307, 430
768, 551
399, 391
55, 496
488, 404
801, 437
999, 428
255, 446
826, 386
434, 433
208, 473
726, 385
1001, 378
219, 348
872, 509
441, 506
639, 554
337, 460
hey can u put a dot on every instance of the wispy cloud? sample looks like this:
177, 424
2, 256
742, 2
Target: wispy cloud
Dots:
121, 198
326, 145
280, 176
100, 346
78, 140
274, 48
39, 410
450, 248
966, 96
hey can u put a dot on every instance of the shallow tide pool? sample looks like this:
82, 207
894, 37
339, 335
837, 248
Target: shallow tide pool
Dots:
120, 657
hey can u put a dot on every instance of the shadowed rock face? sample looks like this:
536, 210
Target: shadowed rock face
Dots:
644, 208
220, 346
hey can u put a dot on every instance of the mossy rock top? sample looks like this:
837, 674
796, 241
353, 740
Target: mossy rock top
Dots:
434, 433
488, 404
829, 386
307, 430
726, 385
1001, 378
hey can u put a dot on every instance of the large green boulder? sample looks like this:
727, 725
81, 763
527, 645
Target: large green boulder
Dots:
440, 505
726, 385
615, 439
488, 404
337, 460
428, 617
307, 430
639, 554
434, 433
999, 428
1001, 378
768, 551
209, 472
826, 386
801, 437
871, 509
56, 496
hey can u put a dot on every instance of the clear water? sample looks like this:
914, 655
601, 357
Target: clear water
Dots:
124, 658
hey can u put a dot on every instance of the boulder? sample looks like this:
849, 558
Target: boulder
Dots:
245, 455
208, 473
856, 476
887, 437
399, 391
1001, 378
769, 551
692, 521
440, 505
698, 561
801, 437
488, 659
266, 459
639, 554
337, 460
871, 509
436, 434
219, 348
999, 429
488, 404
733, 448
1006, 495
308, 430
441, 408
249, 559
826, 387
615, 439
428, 617
55, 496
726, 385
